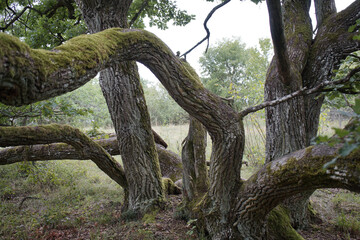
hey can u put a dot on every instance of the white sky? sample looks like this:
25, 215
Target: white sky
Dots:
242, 19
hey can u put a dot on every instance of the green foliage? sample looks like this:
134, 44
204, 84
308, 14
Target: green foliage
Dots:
162, 108
44, 24
232, 70
48, 23
335, 98
159, 13
55, 109
348, 137
347, 205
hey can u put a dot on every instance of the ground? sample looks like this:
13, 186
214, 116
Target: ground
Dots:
164, 224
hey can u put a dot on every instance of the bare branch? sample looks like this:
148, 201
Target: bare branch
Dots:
329, 85
207, 37
18, 15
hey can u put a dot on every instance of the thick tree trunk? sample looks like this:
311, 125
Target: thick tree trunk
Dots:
292, 125
122, 90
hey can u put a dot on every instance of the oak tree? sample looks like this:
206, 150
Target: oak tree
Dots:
226, 206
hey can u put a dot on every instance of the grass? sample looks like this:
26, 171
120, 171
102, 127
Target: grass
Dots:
48, 195
76, 199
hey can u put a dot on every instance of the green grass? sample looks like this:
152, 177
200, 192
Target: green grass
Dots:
47, 195
35, 198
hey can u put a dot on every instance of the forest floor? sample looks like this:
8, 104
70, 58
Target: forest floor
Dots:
56, 200
105, 221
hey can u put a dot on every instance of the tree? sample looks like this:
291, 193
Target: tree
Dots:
290, 126
231, 208
231, 70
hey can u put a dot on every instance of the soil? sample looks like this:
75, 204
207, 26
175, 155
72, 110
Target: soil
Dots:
166, 226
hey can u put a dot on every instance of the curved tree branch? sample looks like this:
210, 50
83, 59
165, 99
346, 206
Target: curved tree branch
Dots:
278, 39
15, 136
170, 163
294, 173
28, 75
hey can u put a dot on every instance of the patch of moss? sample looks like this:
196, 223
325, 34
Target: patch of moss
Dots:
279, 225
150, 217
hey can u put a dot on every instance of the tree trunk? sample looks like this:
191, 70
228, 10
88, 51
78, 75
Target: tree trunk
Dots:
122, 90
195, 176
292, 125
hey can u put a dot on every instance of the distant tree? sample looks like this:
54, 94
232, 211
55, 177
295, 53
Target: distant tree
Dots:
231, 70
162, 108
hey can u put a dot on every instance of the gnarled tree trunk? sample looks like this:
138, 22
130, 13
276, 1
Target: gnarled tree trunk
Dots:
290, 126
123, 92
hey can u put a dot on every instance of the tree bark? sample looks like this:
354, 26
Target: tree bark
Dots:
227, 192
15, 136
294, 173
292, 125
195, 176
170, 163
123, 92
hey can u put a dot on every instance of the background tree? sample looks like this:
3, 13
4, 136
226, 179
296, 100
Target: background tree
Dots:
231, 70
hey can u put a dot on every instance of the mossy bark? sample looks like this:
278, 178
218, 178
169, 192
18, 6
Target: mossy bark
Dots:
291, 125
125, 99
170, 163
15, 136
232, 208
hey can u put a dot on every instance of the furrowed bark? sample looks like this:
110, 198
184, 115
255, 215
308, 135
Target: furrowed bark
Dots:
195, 176
15, 136
283, 138
333, 43
170, 163
323, 9
125, 99
297, 172
221, 121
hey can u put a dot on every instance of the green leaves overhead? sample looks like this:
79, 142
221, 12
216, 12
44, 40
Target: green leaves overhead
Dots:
159, 13
42, 24
49, 23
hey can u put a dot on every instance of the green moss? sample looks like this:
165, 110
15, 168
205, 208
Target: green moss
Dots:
170, 187
150, 217
279, 226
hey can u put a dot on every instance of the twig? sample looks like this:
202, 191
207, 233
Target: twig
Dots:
302, 92
206, 28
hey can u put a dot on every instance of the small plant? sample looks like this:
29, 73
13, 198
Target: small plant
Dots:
348, 224
130, 215
191, 223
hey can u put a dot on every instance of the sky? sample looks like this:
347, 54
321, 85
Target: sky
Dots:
237, 19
